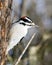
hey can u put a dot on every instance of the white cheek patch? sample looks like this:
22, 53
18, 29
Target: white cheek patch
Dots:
24, 22
21, 21
27, 23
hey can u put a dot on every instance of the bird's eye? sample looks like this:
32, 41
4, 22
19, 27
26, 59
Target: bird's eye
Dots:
25, 20
23, 23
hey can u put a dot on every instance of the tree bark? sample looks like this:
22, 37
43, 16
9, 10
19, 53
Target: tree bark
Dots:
4, 24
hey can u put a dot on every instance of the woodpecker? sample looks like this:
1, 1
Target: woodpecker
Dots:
18, 31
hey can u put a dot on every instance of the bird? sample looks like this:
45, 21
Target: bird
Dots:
18, 31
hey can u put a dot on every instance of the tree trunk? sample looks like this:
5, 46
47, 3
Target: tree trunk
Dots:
4, 24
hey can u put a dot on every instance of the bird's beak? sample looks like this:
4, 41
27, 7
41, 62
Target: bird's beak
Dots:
34, 25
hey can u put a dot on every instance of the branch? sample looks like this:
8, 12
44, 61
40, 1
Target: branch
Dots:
24, 50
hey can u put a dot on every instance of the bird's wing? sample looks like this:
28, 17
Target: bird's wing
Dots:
17, 33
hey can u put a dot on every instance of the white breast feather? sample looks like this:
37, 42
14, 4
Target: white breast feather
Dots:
17, 32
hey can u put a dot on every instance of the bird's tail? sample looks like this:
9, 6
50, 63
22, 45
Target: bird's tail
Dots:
8, 49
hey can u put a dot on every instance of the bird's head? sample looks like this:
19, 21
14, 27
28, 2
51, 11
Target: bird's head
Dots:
26, 21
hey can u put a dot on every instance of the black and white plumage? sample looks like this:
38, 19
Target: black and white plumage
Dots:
19, 30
